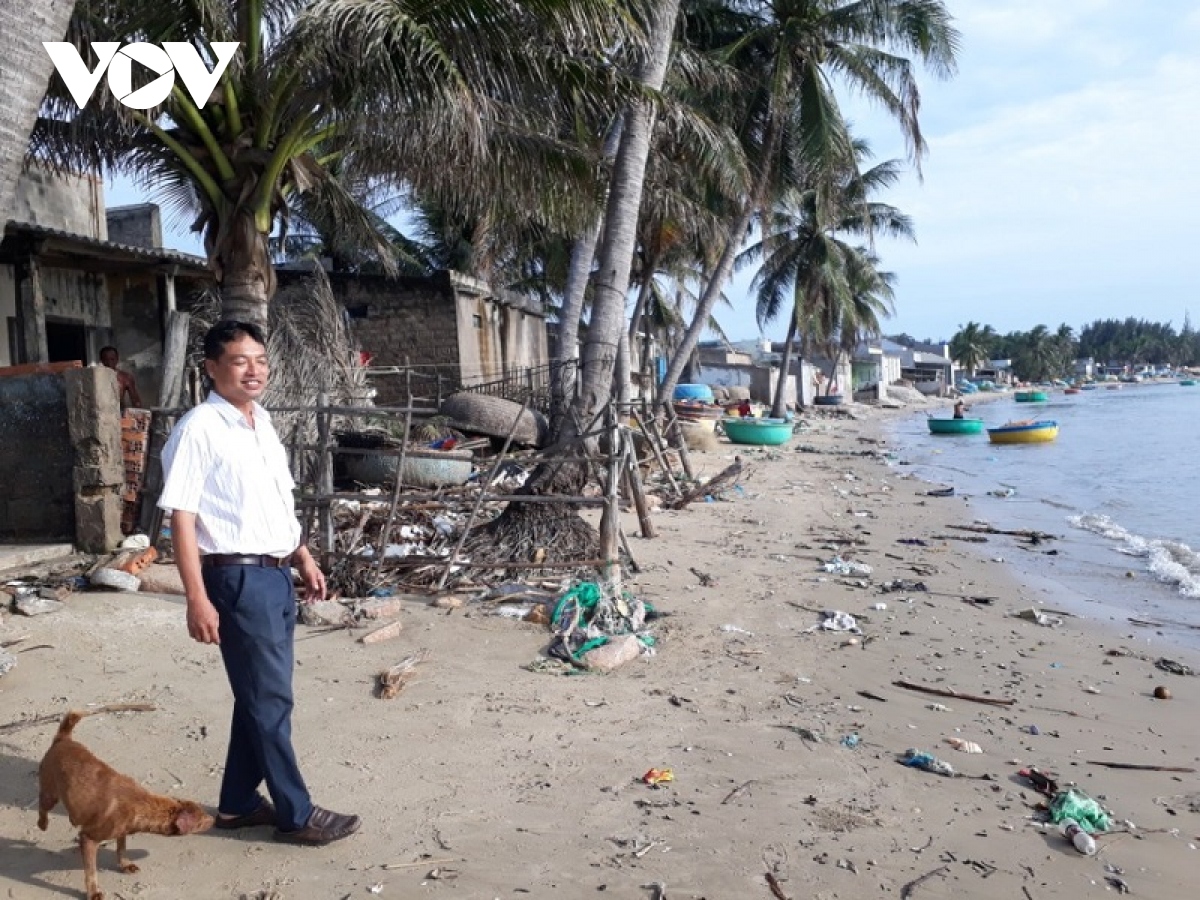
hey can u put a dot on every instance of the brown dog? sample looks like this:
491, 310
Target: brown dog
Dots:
104, 804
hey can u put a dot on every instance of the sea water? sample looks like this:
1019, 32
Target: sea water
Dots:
1118, 488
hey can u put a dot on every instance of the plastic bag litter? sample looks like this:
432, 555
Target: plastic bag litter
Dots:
1078, 806
835, 620
839, 566
919, 759
964, 746
1033, 615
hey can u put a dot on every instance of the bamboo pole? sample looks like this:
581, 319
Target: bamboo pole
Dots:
324, 477
386, 531
653, 439
637, 491
680, 440
462, 538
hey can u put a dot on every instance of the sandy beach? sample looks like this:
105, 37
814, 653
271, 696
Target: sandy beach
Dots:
484, 779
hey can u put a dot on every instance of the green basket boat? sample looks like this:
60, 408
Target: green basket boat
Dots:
955, 426
1031, 397
760, 432
1188, 382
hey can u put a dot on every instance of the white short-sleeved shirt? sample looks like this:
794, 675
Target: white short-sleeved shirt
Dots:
235, 478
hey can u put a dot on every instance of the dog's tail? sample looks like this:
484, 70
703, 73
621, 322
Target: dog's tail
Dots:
71, 719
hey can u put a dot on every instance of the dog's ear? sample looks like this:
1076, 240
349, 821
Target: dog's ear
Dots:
189, 819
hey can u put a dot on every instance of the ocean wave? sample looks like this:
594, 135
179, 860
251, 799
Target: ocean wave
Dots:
1171, 562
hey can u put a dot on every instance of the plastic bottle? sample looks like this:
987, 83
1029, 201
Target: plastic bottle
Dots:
1083, 841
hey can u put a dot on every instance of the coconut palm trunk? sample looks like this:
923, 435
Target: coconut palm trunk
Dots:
25, 70
779, 403
708, 301
245, 272
620, 225
525, 527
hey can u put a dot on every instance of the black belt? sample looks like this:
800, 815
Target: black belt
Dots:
241, 559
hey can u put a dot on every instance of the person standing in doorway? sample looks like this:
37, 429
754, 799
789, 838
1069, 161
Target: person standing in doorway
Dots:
126, 385
229, 490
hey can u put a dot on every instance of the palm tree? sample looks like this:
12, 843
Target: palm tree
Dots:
972, 345
24, 71
387, 89
790, 52
1037, 358
806, 263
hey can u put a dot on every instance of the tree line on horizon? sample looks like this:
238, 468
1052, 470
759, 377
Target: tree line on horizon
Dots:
1041, 354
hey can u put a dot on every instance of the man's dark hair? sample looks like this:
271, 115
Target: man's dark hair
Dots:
227, 331
104, 350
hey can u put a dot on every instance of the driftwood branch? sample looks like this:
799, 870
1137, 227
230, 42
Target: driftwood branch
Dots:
57, 717
906, 891
718, 481
1032, 535
1138, 767
946, 692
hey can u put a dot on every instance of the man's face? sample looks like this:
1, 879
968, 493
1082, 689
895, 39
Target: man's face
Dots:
109, 359
240, 375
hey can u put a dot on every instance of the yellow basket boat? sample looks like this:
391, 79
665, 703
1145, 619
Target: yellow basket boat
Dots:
1024, 432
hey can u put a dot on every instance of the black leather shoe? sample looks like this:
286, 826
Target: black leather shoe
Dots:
323, 827
264, 815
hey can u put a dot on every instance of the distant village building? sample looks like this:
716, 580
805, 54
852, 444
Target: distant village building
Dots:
75, 277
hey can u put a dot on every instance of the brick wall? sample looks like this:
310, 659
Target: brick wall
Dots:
395, 319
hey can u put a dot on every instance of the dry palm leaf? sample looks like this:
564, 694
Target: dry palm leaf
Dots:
392, 681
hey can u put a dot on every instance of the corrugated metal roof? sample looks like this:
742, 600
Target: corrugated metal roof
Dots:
160, 254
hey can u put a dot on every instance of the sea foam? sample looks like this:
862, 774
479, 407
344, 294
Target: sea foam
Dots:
1171, 562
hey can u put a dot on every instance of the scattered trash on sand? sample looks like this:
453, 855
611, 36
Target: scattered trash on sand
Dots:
919, 759
839, 566
655, 777
1041, 618
836, 620
1075, 806
1175, 668
964, 746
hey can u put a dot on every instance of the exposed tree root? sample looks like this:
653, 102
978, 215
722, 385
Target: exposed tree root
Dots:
532, 533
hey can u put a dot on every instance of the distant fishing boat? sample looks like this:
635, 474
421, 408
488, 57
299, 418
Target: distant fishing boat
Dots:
1031, 397
1072, 390
1188, 382
955, 426
1038, 432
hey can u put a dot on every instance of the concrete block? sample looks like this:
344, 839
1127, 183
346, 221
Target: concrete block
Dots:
98, 522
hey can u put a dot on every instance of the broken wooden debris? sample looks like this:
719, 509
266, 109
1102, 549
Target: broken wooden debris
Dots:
946, 692
396, 678
776, 890
907, 890
1139, 767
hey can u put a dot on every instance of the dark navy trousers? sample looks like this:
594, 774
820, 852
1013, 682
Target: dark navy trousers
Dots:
257, 609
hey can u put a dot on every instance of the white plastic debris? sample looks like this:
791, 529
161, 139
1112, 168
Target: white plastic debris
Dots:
836, 620
839, 566
964, 746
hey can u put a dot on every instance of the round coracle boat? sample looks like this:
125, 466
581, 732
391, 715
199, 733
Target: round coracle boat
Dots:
759, 432
1038, 432
955, 426
1031, 397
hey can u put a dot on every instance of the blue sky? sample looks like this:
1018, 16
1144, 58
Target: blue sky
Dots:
1058, 184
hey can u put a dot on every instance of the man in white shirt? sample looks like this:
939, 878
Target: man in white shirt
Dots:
235, 535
